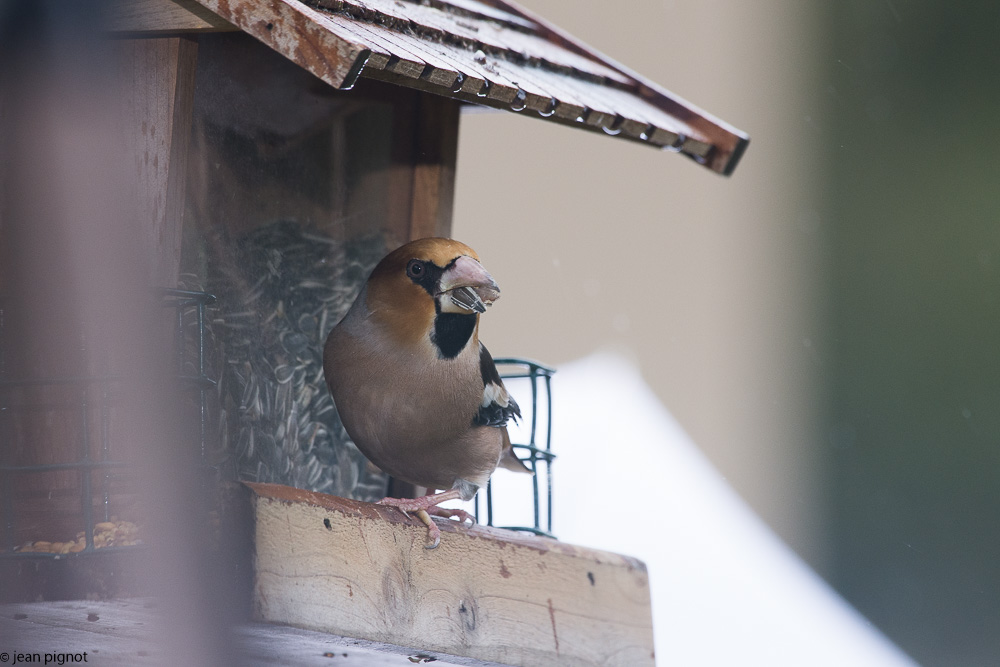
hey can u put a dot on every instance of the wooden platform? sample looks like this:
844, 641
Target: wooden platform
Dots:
361, 570
123, 632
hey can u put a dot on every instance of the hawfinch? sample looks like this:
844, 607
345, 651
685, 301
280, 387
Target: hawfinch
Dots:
416, 390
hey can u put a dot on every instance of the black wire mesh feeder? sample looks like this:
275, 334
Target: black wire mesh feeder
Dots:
532, 442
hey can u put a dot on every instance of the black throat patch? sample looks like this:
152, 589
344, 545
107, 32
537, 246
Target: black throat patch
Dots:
452, 332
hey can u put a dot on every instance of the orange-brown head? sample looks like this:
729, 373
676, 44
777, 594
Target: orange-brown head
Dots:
433, 287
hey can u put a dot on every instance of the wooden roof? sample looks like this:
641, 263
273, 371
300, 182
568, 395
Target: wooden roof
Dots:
488, 52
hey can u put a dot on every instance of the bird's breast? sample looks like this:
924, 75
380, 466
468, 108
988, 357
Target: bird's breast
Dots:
410, 411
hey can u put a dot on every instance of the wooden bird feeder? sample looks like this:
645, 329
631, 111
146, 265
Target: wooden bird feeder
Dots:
329, 124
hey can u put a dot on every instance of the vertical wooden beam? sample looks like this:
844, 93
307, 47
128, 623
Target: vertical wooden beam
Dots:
421, 178
158, 80
436, 151
399, 177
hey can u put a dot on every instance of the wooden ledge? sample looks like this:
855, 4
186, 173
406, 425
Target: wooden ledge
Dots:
485, 595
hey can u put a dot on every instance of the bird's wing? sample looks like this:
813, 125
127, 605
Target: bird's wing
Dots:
497, 406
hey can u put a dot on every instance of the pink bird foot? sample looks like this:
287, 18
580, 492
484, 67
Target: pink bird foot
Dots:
424, 506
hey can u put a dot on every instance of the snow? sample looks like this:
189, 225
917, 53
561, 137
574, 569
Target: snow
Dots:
725, 589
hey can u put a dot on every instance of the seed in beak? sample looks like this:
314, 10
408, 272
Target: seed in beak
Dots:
466, 297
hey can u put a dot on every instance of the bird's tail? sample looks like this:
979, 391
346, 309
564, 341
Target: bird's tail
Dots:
508, 459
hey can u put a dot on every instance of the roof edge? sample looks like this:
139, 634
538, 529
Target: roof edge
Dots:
728, 142
300, 33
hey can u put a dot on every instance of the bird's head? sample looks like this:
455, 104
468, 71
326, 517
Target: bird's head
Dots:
421, 281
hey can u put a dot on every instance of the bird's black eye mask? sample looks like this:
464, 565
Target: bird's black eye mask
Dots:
427, 274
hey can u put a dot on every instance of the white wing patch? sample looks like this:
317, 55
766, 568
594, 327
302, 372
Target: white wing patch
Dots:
495, 393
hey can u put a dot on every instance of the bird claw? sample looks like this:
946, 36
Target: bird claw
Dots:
433, 532
447, 513
423, 508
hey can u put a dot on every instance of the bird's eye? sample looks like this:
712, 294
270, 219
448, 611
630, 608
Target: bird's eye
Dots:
415, 269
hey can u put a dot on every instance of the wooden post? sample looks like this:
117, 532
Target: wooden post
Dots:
421, 177
361, 570
158, 77
436, 150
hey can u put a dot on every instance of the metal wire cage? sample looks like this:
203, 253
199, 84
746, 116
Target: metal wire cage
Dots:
83, 409
535, 435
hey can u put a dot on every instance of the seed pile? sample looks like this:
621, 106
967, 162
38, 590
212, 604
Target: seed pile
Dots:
282, 289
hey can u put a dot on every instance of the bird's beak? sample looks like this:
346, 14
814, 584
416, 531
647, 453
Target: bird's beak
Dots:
468, 285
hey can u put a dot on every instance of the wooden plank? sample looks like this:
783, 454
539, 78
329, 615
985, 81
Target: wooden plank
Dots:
437, 71
396, 181
436, 152
537, 97
379, 55
361, 570
497, 87
129, 632
463, 27
539, 87
640, 111
301, 34
158, 77
415, 53
507, 80
431, 22
568, 114
480, 10
467, 80
155, 17
597, 113
111, 632
400, 61
482, 82
477, 81
537, 48
410, 58
637, 119
265, 645
571, 106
